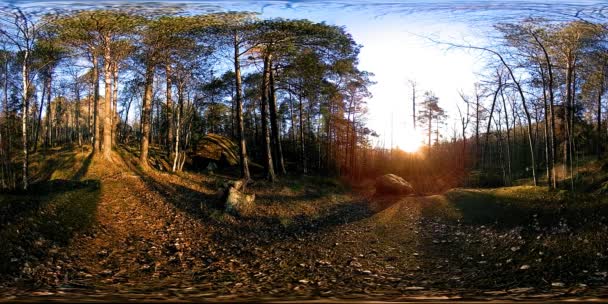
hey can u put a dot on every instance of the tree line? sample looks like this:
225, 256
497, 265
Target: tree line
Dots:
291, 95
289, 92
536, 113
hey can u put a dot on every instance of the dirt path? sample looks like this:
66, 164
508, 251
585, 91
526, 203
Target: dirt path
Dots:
136, 234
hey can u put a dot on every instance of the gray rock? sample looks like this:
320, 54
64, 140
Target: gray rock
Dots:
237, 202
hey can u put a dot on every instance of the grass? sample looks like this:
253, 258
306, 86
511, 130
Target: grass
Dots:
57, 205
512, 206
44, 220
559, 237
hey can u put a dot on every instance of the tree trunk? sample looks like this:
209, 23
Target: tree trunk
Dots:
508, 145
430, 119
168, 89
302, 143
268, 164
498, 90
78, 130
523, 100
477, 120
276, 138
49, 112
547, 147
24, 115
96, 141
293, 124
567, 118
239, 112
115, 117
126, 120
413, 84
107, 111
145, 115
180, 102
552, 113
347, 151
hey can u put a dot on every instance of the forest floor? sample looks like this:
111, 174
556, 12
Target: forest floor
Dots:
102, 230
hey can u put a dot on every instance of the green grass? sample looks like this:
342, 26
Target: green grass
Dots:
512, 206
34, 223
57, 205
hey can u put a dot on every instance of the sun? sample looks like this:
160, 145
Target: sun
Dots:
408, 141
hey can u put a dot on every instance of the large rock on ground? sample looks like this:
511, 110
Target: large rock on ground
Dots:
234, 200
392, 184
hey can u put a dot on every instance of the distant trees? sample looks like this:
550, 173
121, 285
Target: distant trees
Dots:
20, 31
430, 114
552, 86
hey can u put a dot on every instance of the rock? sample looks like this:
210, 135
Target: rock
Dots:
237, 202
355, 264
392, 184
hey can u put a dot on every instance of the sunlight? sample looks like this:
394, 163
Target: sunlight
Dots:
410, 141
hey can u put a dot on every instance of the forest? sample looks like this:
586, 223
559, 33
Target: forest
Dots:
155, 153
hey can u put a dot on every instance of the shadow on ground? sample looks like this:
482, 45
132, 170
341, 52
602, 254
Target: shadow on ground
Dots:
509, 238
34, 225
207, 208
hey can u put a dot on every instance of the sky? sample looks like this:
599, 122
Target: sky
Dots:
394, 48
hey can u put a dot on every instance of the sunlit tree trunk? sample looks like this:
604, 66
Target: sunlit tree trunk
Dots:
115, 117
145, 114
180, 102
239, 111
268, 164
96, 140
168, 88
78, 129
25, 74
107, 111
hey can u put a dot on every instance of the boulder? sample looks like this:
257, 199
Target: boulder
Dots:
238, 203
217, 148
234, 200
392, 184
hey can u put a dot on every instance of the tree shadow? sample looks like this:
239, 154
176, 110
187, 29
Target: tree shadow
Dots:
36, 223
84, 168
482, 208
60, 161
487, 240
208, 209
